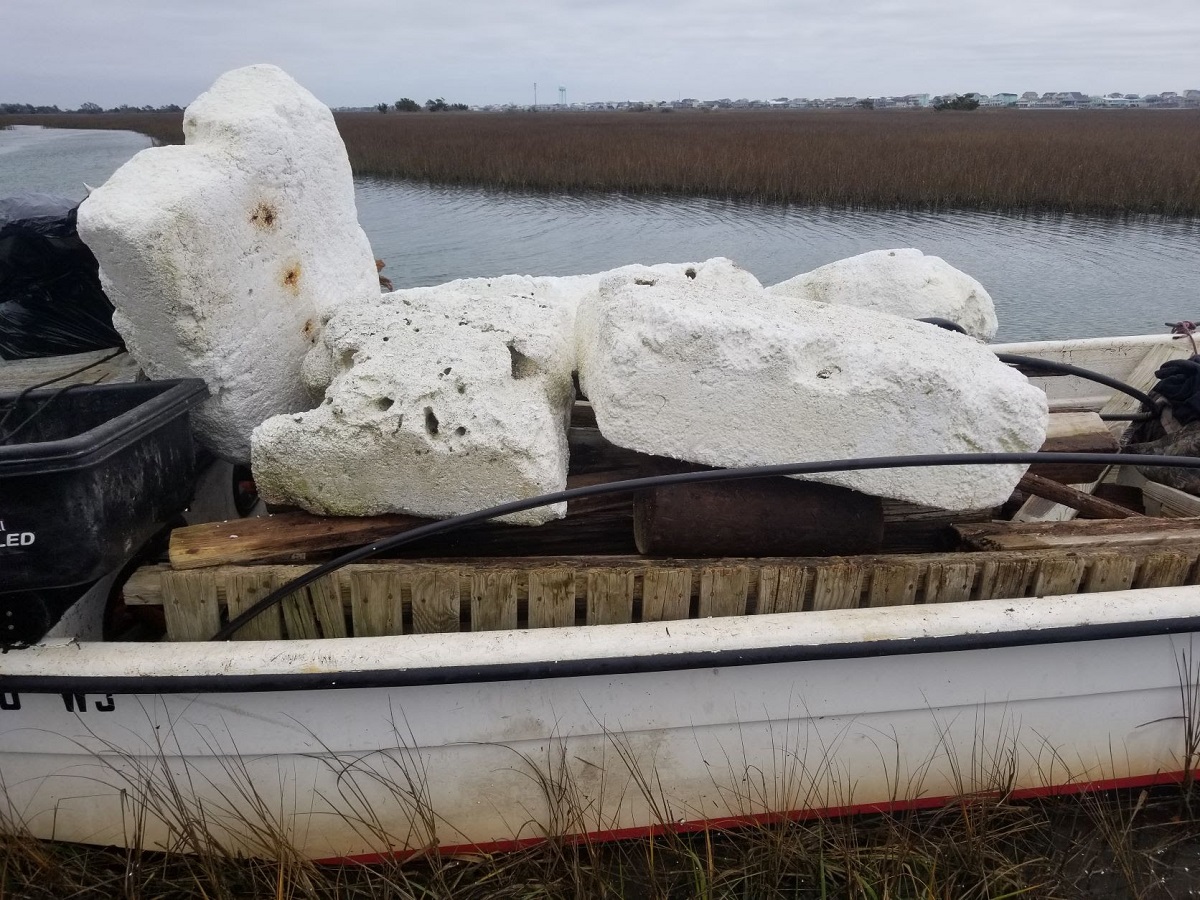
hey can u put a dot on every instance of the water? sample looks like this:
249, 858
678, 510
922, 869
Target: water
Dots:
1050, 276
60, 161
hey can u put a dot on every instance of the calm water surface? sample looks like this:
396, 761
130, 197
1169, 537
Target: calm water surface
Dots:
1051, 276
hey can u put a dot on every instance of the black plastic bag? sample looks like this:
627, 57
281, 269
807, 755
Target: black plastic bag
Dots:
51, 302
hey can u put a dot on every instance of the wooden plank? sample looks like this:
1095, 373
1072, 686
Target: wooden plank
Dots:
190, 606
1005, 579
1170, 501
723, 591
325, 596
609, 596
18, 374
909, 528
376, 602
1058, 576
299, 616
1110, 573
1131, 532
1065, 428
1066, 495
1141, 377
494, 601
782, 589
838, 585
893, 585
1040, 509
551, 597
278, 537
949, 582
245, 588
1075, 432
436, 602
666, 594
552, 587
1167, 569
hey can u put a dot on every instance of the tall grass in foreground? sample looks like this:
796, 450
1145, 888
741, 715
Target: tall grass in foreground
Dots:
1120, 845
1106, 162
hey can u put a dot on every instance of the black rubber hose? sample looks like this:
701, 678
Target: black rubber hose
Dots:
640, 484
1067, 369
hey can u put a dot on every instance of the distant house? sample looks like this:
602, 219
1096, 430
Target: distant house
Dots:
1073, 99
1000, 100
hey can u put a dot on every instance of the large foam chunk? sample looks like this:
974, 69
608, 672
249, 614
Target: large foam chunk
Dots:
437, 402
904, 282
560, 293
714, 372
223, 255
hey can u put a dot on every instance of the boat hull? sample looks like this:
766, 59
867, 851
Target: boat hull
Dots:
348, 749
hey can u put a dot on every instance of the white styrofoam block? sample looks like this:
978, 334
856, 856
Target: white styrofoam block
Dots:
223, 256
560, 293
438, 402
728, 376
904, 282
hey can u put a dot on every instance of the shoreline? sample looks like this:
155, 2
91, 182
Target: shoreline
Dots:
1110, 164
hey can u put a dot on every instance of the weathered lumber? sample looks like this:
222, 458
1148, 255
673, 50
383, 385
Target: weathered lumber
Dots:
397, 597
1142, 377
551, 597
1076, 432
18, 374
724, 590
609, 596
1139, 531
1066, 495
282, 537
297, 537
1159, 499
493, 601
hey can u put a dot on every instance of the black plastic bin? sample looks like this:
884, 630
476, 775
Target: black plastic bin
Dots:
90, 478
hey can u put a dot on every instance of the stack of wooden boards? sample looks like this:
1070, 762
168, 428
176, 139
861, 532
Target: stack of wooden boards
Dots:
395, 597
584, 570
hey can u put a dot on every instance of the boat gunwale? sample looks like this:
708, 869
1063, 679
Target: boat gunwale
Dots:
598, 650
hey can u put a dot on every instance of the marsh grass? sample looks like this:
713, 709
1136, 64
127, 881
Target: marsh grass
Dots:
985, 844
988, 843
163, 128
1105, 162
1112, 845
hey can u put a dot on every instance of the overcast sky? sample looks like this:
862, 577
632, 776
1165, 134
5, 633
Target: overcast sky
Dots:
359, 52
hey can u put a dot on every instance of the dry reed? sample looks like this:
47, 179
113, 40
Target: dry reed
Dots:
1119, 845
1106, 162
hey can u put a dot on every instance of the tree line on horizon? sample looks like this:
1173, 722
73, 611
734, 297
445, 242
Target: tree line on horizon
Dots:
26, 109
407, 104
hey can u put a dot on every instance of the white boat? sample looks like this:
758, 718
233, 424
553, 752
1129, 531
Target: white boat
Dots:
360, 746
